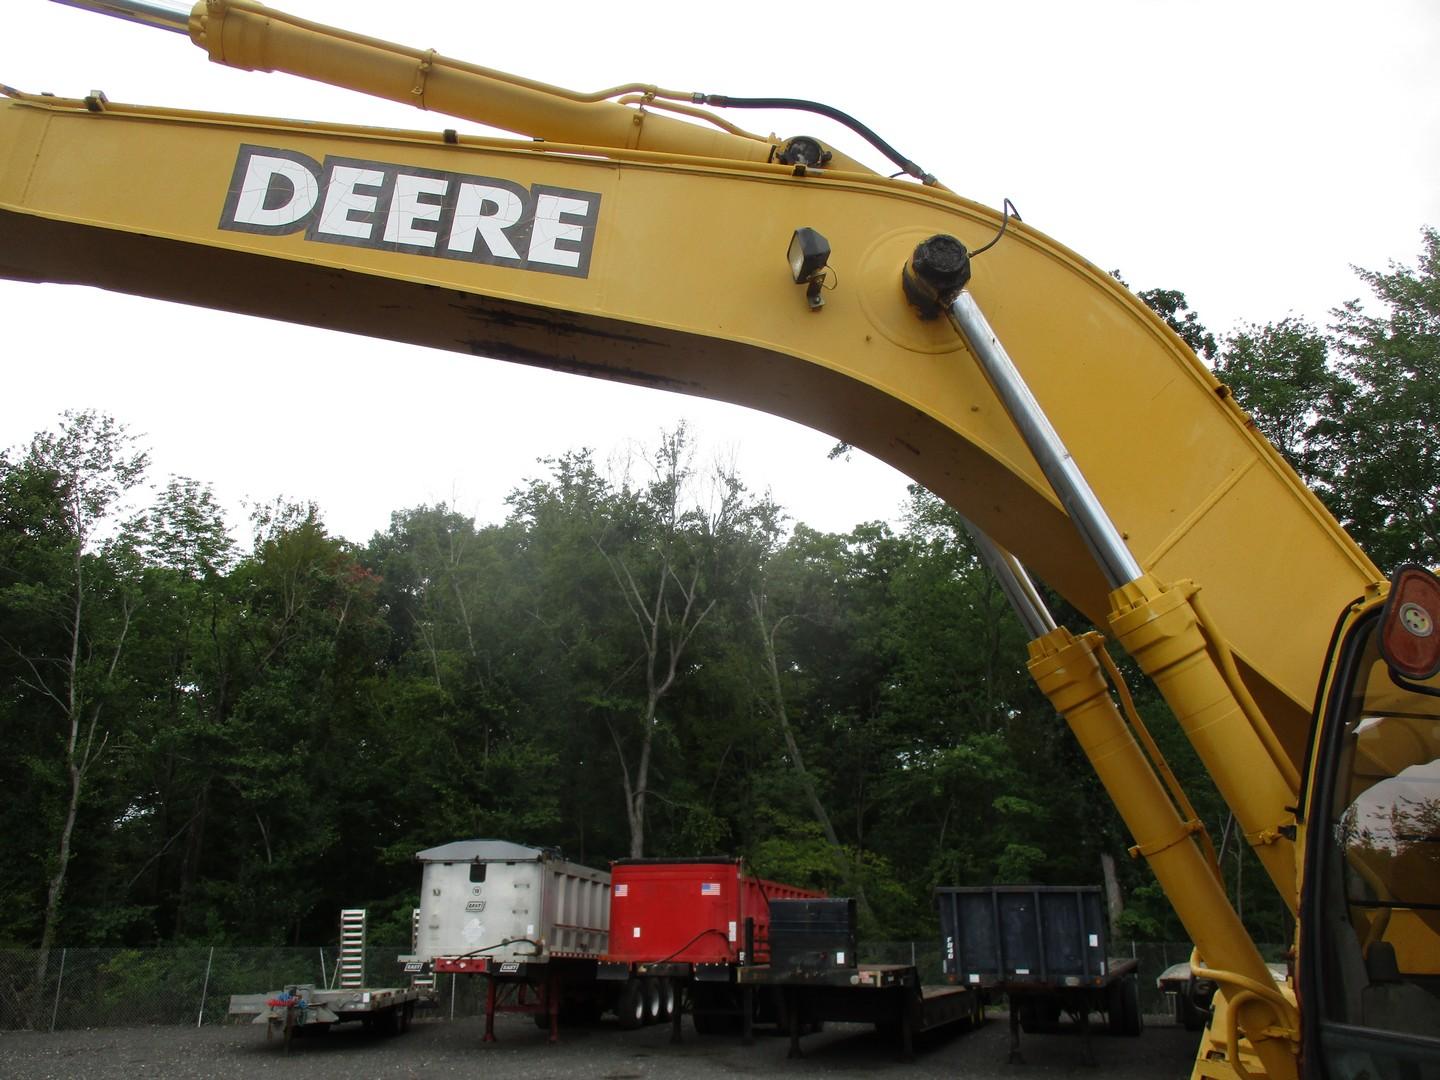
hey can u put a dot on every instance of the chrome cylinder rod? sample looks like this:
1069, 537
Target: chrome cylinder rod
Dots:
1093, 523
156, 13
1015, 583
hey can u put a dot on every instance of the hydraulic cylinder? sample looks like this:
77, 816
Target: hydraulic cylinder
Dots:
1159, 628
1066, 669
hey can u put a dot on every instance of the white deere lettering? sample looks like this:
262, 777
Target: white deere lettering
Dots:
408, 205
551, 229
260, 185
384, 205
342, 200
483, 213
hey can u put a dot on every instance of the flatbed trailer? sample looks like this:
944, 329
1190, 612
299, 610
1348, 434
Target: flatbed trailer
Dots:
302, 1007
1036, 1006
890, 996
1044, 947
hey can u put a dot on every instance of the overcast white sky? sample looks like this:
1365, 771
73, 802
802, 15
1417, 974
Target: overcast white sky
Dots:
1247, 153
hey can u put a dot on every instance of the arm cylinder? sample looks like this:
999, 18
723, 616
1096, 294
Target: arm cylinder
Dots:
250, 36
1015, 583
156, 13
1066, 669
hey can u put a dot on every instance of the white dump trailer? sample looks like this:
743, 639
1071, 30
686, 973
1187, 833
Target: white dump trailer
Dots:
531, 921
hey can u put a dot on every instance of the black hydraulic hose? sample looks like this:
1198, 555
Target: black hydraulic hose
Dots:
722, 101
697, 937
500, 945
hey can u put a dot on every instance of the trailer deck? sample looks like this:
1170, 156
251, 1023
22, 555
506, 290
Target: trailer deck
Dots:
302, 1006
890, 996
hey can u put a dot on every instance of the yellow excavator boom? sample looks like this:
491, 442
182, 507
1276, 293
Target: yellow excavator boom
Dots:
627, 242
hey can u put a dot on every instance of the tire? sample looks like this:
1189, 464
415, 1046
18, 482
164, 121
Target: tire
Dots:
1189, 1015
654, 1001
1132, 1020
630, 1008
1115, 1007
584, 1009
669, 1000
389, 1020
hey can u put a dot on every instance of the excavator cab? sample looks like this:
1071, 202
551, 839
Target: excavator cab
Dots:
1370, 958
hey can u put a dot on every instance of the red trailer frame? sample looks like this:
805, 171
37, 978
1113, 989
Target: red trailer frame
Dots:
675, 923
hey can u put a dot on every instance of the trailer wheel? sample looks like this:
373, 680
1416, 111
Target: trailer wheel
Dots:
1133, 1020
654, 1001
668, 1003
1123, 1005
631, 1006
389, 1020
1189, 1015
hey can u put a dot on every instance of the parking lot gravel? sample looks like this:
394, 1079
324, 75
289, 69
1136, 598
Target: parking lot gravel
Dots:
603, 1051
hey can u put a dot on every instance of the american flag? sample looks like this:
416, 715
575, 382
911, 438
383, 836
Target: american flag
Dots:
709, 888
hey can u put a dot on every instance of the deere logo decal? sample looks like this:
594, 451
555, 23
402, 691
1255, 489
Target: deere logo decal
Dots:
447, 215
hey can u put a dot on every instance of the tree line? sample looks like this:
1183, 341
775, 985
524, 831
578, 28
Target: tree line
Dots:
226, 743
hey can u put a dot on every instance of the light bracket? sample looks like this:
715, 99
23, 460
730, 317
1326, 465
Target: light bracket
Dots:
809, 257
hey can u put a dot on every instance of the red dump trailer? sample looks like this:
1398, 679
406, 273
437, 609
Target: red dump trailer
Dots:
684, 927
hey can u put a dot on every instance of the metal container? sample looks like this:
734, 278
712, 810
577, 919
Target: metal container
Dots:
812, 937
505, 902
1044, 934
690, 911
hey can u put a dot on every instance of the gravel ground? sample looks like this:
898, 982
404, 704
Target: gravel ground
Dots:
436, 1048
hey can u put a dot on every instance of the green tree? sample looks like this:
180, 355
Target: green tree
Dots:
1388, 487
184, 659
70, 592
1282, 375
1172, 306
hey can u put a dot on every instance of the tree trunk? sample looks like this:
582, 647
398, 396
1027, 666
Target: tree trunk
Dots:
1114, 899
57, 880
649, 618
807, 783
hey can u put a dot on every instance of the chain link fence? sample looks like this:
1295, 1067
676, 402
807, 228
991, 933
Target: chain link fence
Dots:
88, 988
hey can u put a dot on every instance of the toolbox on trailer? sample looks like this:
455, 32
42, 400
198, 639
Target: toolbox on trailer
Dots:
812, 937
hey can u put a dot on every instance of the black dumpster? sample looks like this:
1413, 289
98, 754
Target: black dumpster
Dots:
1044, 947
1049, 934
